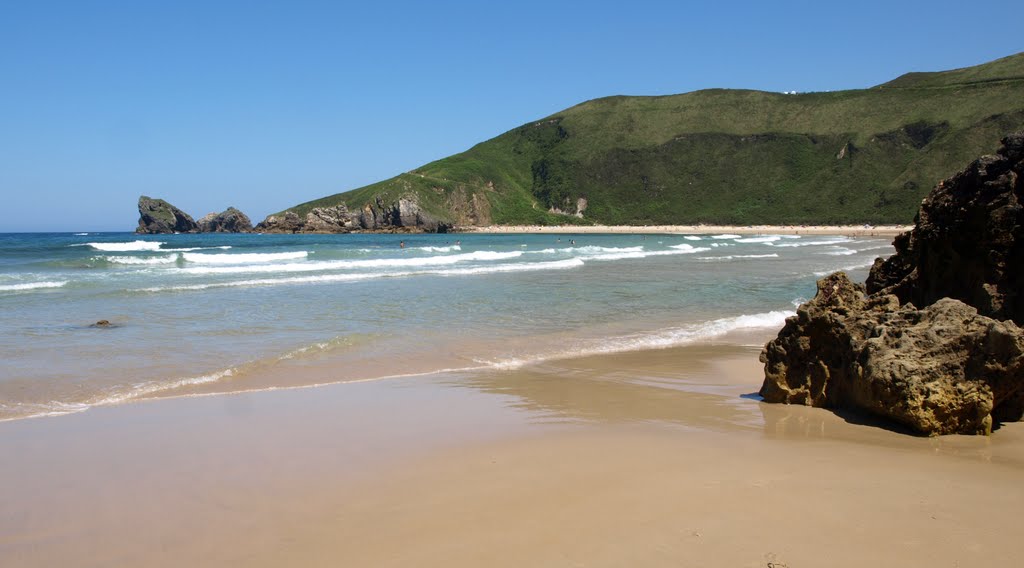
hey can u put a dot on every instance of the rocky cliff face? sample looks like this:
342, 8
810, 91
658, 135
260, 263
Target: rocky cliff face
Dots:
231, 220
158, 216
930, 342
968, 242
403, 215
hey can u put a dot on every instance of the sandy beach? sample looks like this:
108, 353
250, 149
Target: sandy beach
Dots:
650, 458
845, 230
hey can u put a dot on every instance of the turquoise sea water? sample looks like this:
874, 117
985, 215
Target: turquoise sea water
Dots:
211, 313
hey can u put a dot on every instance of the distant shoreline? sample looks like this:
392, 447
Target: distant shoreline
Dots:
848, 230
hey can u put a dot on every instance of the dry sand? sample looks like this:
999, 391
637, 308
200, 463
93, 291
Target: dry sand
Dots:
656, 458
848, 230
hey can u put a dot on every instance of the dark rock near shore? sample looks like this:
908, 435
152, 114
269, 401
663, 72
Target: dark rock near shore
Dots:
955, 365
158, 216
231, 220
403, 215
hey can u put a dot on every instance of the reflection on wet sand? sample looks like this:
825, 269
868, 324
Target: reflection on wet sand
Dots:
704, 387
694, 387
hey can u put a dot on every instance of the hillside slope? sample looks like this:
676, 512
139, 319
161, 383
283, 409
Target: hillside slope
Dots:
721, 156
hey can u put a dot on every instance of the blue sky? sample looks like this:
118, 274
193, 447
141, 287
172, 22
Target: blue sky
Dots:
262, 105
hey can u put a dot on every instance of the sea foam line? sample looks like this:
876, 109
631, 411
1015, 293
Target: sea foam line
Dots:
739, 256
845, 268
663, 339
320, 266
25, 286
329, 278
125, 247
143, 260
243, 258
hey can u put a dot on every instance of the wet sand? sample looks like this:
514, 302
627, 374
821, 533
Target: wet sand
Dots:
845, 230
654, 458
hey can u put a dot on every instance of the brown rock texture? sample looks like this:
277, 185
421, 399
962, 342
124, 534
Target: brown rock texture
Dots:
953, 366
943, 369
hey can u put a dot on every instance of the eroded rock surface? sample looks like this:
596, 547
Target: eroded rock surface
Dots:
942, 369
955, 365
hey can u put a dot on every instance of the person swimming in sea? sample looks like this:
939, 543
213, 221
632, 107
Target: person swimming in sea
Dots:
401, 244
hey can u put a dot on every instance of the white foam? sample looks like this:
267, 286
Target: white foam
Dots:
440, 249
739, 256
323, 266
879, 247
844, 269
692, 238
243, 258
767, 239
150, 260
672, 337
840, 251
189, 249
125, 247
32, 286
81, 234
588, 250
645, 254
725, 236
835, 241
517, 267
354, 277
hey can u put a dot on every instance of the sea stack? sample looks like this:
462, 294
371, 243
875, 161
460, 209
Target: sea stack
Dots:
932, 340
157, 216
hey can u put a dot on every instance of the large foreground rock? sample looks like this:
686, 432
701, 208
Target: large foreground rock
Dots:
931, 340
158, 216
943, 369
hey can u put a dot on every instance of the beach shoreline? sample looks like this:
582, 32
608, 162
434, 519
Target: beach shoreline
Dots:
655, 458
844, 230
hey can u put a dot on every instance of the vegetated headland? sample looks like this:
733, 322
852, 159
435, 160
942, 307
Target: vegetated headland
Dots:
718, 156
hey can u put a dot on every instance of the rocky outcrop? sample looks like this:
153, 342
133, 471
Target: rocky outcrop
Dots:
230, 220
403, 215
968, 242
943, 369
158, 216
930, 341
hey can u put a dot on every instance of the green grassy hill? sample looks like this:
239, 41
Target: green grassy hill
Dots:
725, 156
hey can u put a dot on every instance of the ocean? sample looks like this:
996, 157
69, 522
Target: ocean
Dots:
196, 315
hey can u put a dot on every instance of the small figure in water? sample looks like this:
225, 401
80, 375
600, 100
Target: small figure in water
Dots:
572, 242
401, 244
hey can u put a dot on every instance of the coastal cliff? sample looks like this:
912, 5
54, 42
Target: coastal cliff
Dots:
932, 340
380, 215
